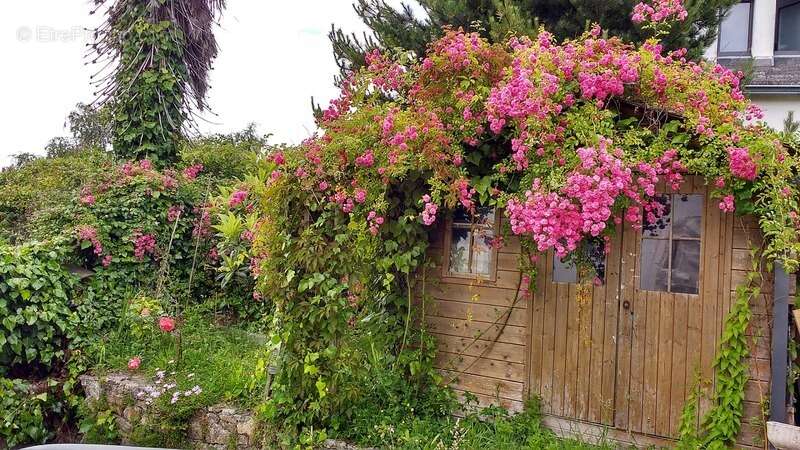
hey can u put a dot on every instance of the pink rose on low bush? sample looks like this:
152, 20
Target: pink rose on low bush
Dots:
134, 363
166, 324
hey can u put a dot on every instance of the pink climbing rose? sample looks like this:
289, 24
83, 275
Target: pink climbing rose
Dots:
143, 244
726, 204
191, 172
741, 165
429, 211
659, 11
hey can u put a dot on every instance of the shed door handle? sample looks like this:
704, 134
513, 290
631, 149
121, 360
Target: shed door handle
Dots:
626, 305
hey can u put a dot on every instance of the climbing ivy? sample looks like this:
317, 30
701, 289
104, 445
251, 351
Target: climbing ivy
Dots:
721, 424
148, 117
162, 50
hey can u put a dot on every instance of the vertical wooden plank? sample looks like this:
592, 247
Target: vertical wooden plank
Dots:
584, 378
664, 363
537, 331
680, 332
571, 357
715, 234
560, 359
651, 364
548, 341
621, 399
638, 355
610, 333
595, 369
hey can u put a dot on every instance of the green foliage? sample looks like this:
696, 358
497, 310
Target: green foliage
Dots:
688, 429
497, 20
149, 115
97, 423
31, 411
481, 428
35, 307
225, 156
22, 419
132, 203
33, 197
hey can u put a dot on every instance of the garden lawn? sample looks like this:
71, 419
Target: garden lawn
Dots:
227, 363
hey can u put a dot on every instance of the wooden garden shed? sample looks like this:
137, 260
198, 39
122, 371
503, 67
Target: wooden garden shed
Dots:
616, 358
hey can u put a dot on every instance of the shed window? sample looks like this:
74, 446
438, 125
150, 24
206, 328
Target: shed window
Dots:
471, 237
670, 250
594, 249
734, 30
564, 271
788, 26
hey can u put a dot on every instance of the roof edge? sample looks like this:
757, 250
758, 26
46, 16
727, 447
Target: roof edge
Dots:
773, 89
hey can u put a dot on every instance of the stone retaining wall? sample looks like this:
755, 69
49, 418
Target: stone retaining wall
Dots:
217, 427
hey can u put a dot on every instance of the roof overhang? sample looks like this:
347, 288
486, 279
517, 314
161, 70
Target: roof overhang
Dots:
773, 89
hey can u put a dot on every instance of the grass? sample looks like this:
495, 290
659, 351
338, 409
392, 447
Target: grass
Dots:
488, 428
228, 363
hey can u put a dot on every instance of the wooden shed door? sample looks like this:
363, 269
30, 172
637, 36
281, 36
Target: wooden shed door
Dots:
626, 358
573, 342
668, 283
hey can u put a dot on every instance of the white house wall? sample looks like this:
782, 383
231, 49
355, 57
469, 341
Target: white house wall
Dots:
776, 107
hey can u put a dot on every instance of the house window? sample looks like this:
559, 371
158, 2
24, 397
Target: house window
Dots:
788, 26
471, 253
670, 251
734, 30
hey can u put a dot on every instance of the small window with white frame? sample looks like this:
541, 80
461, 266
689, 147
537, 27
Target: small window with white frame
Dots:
469, 250
735, 30
787, 27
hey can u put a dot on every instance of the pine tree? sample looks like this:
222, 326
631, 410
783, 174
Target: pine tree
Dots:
498, 19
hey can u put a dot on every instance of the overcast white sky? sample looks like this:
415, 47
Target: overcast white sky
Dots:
274, 55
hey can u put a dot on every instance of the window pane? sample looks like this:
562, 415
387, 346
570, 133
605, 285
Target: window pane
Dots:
459, 251
659, 228
687, 214
654, 265
482, 252
564, 272
484, 215
685, 266
789, 28
461, 215
734, 31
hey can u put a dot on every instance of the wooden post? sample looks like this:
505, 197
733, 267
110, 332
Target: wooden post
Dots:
780, 344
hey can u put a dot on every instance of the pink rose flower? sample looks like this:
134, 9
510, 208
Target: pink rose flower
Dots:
166, 324
134, 363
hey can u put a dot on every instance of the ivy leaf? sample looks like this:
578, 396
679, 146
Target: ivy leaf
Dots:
321, 388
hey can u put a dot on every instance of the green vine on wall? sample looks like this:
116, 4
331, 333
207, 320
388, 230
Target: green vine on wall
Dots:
722, 423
